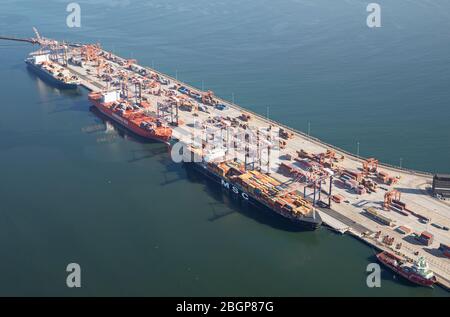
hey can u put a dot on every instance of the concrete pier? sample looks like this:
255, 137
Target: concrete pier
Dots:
345, 217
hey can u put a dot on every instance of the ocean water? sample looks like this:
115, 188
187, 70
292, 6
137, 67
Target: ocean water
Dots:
139, 224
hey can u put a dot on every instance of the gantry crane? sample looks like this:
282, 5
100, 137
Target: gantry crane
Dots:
90, 52
208, 98
130, 62
326, 159
389, 197
38, 36
370, 166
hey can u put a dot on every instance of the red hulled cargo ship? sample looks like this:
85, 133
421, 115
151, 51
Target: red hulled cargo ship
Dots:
133, 117
417, 273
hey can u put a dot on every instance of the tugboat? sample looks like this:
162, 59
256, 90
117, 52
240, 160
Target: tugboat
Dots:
417, 273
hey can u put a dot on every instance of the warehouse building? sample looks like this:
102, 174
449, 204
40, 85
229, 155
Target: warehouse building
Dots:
441, 185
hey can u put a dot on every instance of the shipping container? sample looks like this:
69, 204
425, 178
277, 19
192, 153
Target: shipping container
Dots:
374, 214
360, 190
399, 210
445, 249
336, 198
426, 237
403, 230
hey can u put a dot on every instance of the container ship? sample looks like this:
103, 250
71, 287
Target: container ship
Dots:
417, 273
41, 64
259, 189
132, 116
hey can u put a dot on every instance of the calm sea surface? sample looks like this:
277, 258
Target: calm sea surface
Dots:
139, 224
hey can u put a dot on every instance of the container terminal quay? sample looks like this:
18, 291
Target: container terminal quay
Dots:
403, 212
